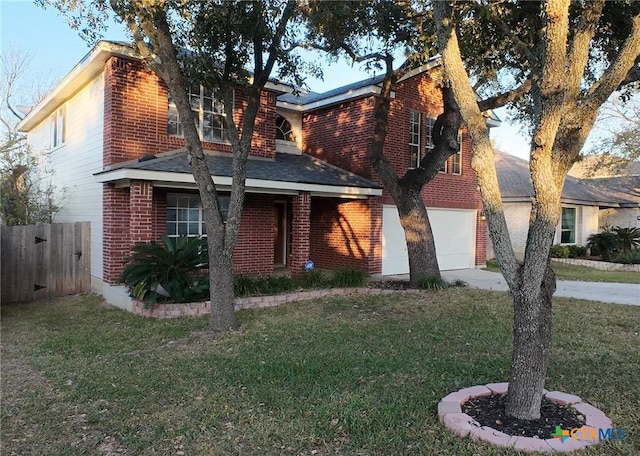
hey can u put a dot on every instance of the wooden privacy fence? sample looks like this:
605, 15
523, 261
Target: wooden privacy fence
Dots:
44, 261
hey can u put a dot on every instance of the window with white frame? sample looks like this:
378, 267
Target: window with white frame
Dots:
455, 160
430, 144
415, 119
568, 226
185, 217
430, 123
284, 131
58, 127
208, 112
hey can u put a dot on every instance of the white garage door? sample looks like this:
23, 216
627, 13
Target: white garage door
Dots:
454, 232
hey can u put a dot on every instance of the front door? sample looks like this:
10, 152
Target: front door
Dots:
280, 234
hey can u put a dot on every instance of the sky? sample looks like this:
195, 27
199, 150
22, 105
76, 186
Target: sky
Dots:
55, 49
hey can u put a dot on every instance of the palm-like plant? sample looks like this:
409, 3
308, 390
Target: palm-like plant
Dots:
606, 243
173, 264
629, 238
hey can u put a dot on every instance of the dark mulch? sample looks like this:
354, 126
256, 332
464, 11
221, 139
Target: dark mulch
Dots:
391, 284
489, 411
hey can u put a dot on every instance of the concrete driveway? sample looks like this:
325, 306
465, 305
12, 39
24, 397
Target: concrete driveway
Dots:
617, 293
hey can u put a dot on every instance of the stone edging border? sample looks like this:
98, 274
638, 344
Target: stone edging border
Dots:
601, 265
203, 308
450, 414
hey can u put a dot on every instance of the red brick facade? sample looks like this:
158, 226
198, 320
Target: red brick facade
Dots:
346, 233
341, 134
333, 232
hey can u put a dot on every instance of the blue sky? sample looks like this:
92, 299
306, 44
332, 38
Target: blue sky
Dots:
56, 49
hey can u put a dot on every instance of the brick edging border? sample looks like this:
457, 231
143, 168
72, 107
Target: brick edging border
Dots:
203, 308
450, 414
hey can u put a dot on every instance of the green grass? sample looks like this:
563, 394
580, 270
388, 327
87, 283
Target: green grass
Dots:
583, 273
340, 376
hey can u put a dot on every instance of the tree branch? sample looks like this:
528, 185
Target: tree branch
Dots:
579, 51
504, 98
618, 71
519, 44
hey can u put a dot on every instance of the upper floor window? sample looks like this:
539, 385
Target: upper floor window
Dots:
284, 131
568, 228
208, 112
58, 127
415, 119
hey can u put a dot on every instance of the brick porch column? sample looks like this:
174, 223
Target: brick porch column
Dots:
301, 226
115, 242
141, 227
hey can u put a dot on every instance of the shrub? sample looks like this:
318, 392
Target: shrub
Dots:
432, 283
493, 263
311, 279
244, 285
632, 257
457, 283
629, 238
174, 265
559, 251
348, 277
577, 251
606, 243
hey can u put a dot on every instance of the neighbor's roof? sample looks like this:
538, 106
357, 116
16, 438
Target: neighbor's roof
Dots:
515, 185
287, 172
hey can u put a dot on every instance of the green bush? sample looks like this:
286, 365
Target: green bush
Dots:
577, 251
312, 279
605, 243
559, 251
432, 283
348, 277
173, 265
244, 285
629, 238
632, 257
493, 263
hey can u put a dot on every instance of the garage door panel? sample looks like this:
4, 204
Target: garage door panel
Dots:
453, 232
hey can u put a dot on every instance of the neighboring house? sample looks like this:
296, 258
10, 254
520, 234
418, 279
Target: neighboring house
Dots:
117, 147
615, 178
586, 207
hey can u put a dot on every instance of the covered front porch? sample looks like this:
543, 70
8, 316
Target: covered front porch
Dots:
296, 208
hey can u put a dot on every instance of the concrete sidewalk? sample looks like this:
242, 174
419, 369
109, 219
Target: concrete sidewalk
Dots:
617, 293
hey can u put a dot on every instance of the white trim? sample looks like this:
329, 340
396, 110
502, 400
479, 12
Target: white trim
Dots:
361, 92
432, 63
123, 176
87, 69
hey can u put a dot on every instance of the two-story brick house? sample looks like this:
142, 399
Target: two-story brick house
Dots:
117, 148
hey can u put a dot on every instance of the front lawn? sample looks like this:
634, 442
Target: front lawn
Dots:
340, 376
566, 271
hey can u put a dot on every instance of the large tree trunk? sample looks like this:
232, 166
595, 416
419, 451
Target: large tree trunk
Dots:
406, 190
223, 315
418, 235
530, 358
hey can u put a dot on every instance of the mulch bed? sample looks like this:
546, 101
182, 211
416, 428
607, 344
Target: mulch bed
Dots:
489, 411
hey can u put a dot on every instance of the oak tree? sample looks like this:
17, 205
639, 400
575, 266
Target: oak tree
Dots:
575, 55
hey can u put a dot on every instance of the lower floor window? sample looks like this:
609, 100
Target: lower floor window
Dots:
568, 228
185, 217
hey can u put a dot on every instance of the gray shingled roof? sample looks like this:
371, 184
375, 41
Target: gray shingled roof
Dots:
515, 184
302, 169
310, 97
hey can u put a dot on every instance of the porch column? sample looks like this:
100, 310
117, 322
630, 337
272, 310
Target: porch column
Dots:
141, 228
301, 226
115, 242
